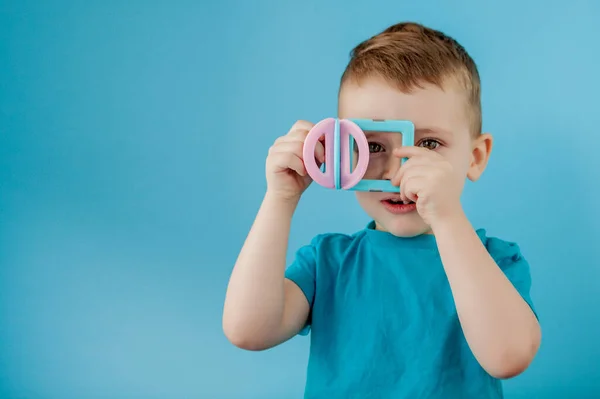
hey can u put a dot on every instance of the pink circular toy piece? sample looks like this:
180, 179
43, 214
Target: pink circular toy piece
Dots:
326, 128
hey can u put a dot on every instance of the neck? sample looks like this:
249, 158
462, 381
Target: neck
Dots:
378, 227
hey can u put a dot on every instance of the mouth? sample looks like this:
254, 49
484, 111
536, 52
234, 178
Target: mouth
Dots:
396, 205
397, 201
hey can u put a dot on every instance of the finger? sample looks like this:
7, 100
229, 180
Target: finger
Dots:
302, 125
418, 160
294, 147
300, 129
297, 147
411, 167
285, 161
297, 134
403, 197
410, 151
320, 151
292, 136
397, 180
410, 188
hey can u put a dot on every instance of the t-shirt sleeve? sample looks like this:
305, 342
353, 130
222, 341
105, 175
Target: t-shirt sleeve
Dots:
302, 271
511, 261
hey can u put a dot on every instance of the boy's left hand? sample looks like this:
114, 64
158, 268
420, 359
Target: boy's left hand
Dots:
428, 179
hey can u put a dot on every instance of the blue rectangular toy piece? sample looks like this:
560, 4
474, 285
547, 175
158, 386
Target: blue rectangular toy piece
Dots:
406, 128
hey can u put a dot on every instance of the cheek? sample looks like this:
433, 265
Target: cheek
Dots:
365, 198
461, 165
460, 160
361, 197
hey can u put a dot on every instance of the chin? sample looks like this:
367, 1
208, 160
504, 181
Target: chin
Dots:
404, 226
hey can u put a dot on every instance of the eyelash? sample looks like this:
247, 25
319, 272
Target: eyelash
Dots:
431, 140
374, 143
437, 142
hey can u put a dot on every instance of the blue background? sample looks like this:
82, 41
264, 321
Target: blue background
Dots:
132, 144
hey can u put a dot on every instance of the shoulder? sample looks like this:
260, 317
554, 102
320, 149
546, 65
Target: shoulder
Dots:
331, 248
503, 251
319, 260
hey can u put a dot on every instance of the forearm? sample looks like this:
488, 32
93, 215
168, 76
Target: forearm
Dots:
254, 301
498, 324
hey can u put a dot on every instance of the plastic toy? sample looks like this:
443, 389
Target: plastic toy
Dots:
339, 136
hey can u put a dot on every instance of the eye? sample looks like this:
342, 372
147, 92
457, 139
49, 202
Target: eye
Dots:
375, 147
431, 144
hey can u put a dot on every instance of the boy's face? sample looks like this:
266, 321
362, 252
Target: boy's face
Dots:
441, 124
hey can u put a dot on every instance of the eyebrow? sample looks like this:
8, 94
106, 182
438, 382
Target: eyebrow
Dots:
377, 135
419, 131
432, 130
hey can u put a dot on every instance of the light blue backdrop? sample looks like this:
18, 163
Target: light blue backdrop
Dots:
132, 144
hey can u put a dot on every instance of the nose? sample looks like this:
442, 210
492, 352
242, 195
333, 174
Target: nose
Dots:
392, 164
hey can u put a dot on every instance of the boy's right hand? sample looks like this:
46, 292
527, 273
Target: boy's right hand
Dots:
287, 178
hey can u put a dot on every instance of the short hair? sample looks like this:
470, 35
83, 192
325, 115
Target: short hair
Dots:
409, 54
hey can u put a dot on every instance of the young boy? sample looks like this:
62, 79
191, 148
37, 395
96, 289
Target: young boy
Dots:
418, 304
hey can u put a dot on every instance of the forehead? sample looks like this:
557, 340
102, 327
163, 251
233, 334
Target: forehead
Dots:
427, 107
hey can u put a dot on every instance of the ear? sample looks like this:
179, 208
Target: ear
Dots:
482, 148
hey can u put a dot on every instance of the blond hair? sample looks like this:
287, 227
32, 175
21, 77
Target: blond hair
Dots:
410, 54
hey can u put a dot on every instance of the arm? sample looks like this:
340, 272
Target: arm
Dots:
500, 327
262, 308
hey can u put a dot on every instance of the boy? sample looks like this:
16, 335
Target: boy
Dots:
418, 304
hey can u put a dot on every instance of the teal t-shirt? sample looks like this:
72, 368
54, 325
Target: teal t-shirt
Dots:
383, 323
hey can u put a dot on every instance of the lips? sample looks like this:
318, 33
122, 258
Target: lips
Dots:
397, 206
